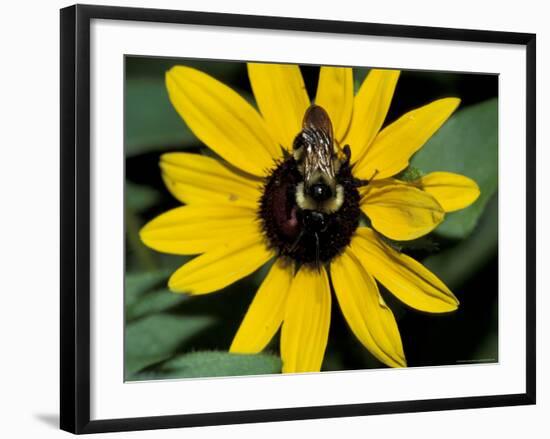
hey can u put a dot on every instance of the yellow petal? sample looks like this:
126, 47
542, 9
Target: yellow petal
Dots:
196, 179
282, 98
306, 323
393, 147
266, 312
452, 191
407, 279
222, 266
370, 107
368, 316
401, 212
335, 95
222, 119
194, 229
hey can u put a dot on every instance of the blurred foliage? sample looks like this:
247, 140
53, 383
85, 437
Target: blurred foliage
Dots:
410, 174
213, 364
172, 335
359, 75
139, 198
138, 284
155, 123
467, 144
155, 338
460, 261
152, 302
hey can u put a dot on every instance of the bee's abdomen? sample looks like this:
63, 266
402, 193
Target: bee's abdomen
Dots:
278, 210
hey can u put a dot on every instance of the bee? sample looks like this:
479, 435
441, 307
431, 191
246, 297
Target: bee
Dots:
319, 160
310, 205
325, 171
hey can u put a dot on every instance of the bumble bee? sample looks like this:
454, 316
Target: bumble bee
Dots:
319, 160
326, 179
310, 205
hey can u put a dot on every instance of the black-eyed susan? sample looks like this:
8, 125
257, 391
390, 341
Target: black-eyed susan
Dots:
262, 200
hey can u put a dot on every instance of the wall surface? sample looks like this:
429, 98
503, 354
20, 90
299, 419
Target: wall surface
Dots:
29, 237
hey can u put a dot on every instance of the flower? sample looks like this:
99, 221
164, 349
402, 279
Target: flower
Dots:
242, 210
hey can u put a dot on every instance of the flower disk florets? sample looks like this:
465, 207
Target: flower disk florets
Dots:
307, 237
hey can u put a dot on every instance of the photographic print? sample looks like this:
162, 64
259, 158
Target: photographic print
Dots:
299, 218
305, 218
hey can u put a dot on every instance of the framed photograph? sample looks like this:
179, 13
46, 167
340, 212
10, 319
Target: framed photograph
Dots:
270, 219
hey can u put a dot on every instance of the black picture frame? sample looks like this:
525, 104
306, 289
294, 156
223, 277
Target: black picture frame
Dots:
75, 217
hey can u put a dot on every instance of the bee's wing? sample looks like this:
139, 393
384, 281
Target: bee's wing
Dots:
316, 118
317, 128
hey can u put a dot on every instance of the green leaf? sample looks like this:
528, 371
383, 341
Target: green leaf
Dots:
215, 364
488, 348
467, 144
151, 123
153, 302
140, 197
137, 284
154, 338
460, 262
359, 75
410, 174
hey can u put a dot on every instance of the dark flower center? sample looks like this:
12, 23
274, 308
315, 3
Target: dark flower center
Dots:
307, 236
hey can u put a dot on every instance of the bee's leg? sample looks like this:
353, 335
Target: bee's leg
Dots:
297, 241
297, 145
298, 141
317, 255
359, 182
347, 153
285, 152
